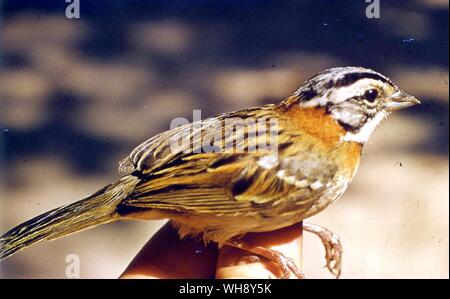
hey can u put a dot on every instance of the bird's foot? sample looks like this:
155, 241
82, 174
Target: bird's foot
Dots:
332, 244
287, 265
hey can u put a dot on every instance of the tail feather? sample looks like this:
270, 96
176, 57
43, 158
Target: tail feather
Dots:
90, 211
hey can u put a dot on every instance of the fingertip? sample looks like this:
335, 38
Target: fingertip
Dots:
286, 240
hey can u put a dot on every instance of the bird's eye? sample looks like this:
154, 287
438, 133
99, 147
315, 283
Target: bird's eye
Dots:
371, 95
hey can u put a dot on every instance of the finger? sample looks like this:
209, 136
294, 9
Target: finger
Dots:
167, 256
234, 263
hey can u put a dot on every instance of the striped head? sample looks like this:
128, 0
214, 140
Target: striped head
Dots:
357, 98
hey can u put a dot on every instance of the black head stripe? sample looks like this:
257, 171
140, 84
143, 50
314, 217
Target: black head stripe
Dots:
320, 84
351, 78
307, 94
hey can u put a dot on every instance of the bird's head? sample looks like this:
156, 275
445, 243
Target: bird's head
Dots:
356, 98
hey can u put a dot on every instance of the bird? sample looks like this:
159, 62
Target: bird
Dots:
274, 166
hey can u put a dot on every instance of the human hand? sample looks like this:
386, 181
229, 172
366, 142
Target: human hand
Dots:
167, 256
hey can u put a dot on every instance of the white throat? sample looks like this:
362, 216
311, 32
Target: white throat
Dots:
364, 133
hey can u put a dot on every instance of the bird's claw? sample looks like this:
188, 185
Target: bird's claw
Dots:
332, 245
333, 253
286, 264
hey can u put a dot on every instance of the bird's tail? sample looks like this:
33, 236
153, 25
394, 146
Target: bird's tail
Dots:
90, 211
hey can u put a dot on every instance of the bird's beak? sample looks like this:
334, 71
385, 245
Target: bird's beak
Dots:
400, 100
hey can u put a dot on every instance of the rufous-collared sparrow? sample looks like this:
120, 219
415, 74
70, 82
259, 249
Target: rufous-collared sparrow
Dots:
224, 189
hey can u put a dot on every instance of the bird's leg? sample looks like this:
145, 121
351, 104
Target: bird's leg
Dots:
249, 259
286, 264
332, 244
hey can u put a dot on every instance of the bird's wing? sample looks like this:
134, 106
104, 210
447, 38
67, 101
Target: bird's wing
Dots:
224, 182
228, 185
197, 137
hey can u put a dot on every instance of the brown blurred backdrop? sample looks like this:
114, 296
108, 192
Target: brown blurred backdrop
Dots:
76, 95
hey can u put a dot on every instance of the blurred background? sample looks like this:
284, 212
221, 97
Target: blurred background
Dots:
76, 96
